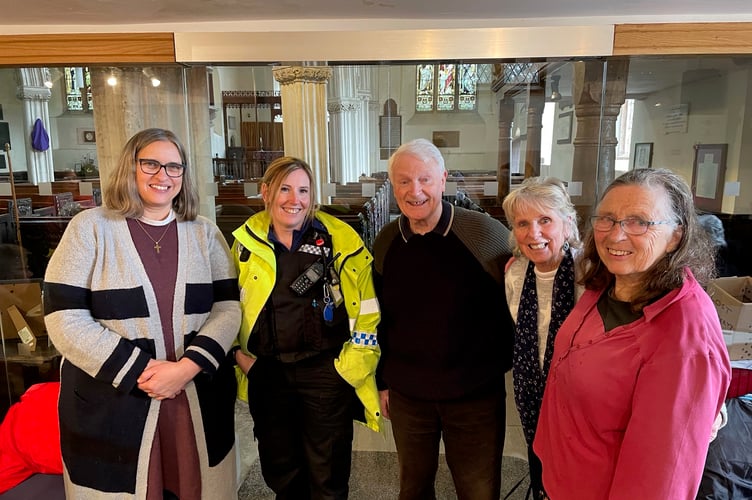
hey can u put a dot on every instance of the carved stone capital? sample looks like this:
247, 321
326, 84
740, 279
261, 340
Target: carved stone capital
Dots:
288, 75
34, 93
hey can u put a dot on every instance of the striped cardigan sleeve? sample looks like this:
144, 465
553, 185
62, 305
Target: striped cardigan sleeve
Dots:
70, 307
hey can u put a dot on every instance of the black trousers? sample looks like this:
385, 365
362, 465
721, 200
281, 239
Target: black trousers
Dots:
536, 474
302, 414
473, 433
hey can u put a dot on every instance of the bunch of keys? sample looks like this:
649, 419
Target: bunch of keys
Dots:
328, 305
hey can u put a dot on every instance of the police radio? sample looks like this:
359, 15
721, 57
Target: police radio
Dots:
310, 276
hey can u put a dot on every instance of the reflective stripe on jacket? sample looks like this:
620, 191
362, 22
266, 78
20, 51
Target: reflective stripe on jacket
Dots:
359, 356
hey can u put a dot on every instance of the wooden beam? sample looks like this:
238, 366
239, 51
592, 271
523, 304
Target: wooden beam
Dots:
682, 38
87, 49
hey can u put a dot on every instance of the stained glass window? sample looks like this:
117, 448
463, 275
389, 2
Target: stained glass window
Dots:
468, 87
424, 88
78, 89
445, 101
449, 87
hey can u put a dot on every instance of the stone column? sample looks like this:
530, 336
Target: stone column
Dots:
303, 92
350, 123
198, 142
180, 104
503, 169
36, 97
596, 108
536, 103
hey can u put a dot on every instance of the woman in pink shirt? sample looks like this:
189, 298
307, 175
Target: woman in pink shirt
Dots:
640, 369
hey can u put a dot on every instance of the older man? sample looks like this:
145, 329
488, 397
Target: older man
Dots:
445, 335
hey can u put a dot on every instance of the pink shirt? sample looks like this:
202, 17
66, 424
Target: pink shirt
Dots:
627, 414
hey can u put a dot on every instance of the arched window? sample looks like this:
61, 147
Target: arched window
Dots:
449, 87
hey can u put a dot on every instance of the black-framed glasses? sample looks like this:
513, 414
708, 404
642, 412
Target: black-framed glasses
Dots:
151, 167
631, 225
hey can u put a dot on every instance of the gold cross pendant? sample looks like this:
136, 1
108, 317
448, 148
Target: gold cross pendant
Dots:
156, 246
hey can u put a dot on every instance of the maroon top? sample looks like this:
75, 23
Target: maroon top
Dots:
173, 463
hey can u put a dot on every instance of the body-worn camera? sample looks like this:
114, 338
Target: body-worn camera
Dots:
310, 276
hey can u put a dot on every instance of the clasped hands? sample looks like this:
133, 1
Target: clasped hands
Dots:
164, 379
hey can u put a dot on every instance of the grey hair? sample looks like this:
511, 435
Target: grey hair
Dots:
419, 148
714, 228
694, 251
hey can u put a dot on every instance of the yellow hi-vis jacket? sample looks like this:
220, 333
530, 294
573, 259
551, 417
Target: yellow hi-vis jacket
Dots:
357, 360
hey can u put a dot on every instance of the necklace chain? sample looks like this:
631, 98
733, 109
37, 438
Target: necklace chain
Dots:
157, 246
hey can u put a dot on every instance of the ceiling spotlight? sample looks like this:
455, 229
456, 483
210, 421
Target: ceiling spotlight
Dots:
155, 81
112, 80
555, 94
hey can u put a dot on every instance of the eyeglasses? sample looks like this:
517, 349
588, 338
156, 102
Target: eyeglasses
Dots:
631, 225
152, 167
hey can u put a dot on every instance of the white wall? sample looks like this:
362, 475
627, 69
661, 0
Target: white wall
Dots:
478, 129
717, 117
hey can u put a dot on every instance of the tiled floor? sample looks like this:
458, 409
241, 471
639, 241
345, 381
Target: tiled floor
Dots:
374, 472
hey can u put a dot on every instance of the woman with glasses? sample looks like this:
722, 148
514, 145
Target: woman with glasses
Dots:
541, 289
308, 348
141, 299
640, 369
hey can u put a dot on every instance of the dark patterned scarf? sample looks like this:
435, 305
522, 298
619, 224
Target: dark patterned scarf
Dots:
529, 379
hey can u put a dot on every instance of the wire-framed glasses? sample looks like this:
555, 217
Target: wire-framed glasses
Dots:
151, 167
631, 225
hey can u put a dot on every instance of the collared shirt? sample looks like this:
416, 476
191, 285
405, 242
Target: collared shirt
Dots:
297, 234
442, 227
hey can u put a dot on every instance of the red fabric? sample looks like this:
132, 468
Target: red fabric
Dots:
741, 382
30, 437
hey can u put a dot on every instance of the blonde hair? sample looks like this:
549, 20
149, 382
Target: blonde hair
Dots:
546, 192
122, 194
275, 175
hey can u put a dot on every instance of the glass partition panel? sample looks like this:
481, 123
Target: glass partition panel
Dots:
55, 162
584, 121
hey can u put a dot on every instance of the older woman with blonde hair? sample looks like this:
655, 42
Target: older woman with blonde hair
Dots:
540, 289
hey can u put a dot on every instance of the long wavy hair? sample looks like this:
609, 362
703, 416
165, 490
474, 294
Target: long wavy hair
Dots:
694, 251
122, 193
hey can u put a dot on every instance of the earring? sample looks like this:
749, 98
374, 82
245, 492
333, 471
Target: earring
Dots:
565, 247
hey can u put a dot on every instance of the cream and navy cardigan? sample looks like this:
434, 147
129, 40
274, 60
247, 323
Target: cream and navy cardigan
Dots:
101, 314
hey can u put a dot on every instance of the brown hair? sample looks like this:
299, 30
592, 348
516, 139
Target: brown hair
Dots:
122, 193
694, 251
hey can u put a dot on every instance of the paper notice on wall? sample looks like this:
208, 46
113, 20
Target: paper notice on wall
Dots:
676, 119
574, 188
45, 188
707, 177
732, 189
5, 189
450, 189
